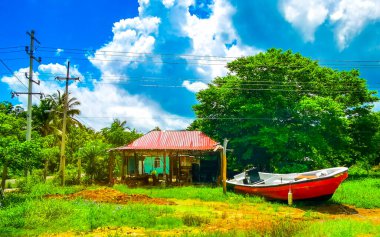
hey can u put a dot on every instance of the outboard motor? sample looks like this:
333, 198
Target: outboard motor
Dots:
252, 176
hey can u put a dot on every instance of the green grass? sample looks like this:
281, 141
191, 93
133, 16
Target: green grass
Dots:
337, 228
362, 193
284, 228
29, 213
203, 193
35, 217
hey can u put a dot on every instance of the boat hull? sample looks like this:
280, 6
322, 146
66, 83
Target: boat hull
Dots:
322, 188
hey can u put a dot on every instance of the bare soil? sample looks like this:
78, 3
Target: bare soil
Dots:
109, 195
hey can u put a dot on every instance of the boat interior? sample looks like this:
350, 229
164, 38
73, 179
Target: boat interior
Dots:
253, 177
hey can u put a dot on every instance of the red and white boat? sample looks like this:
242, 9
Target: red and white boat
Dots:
318, 184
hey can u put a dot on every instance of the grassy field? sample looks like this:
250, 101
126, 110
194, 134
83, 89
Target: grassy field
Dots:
192, 211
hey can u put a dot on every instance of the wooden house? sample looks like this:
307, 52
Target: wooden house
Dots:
172, 156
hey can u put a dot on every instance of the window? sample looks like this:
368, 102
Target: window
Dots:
157, 162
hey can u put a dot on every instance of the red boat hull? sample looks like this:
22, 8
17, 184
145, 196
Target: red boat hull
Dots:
309, 189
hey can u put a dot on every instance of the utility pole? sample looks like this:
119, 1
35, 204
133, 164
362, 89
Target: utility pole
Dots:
224, 165
30, 52
63, 157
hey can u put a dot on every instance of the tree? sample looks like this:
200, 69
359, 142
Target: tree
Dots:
282, 110
57, 101
94, 157
365, 132
119, 134
43, 117
10, 135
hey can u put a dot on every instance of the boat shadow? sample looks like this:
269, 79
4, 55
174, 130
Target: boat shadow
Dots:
325, 207
329, 207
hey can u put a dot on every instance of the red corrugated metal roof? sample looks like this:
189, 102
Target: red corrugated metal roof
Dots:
172, 140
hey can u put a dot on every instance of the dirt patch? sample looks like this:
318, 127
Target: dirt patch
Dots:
109, 195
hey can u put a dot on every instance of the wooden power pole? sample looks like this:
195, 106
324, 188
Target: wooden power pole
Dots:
63, 143
224, 165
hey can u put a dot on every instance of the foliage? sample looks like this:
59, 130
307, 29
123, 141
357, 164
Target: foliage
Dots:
279, 109
95, 159
119, 134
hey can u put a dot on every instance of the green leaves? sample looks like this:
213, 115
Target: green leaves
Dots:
285, 106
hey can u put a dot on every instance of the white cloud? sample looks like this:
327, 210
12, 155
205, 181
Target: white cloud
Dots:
211, 35
132, 37
168, 3
195, 86
348, 17
105, 102
59, 51
351, 17
60, 70
143, 4
307, 16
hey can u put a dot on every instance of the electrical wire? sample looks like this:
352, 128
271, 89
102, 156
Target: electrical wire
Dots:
13, 74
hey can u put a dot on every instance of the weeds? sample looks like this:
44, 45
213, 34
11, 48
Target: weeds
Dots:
195, 220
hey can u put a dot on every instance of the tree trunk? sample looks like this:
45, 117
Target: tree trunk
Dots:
46, 169
79, 170
4, 175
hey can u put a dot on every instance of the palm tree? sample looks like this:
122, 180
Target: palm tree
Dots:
58, 101
42, 119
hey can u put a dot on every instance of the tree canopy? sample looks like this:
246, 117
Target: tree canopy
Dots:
284, 111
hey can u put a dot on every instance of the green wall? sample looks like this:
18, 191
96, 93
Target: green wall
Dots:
149, 165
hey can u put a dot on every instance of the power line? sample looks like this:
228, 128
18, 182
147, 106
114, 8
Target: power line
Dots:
12, 47
12, 51
13, 73
192, 55
140, 53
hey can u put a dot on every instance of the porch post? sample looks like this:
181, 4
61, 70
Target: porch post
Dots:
123, 167
170, 168
110, 168
164, 174
179, 168
177, 165
136, 165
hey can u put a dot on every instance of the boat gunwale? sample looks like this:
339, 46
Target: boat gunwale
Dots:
295, 182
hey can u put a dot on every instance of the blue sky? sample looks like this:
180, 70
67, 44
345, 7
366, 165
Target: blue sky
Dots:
142, 61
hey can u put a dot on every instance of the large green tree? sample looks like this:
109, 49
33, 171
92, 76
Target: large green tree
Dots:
282, 110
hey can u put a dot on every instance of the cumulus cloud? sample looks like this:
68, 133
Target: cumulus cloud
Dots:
212, 37
60, 70
168, 3
350, 17
103, 103
347, 17
195, 86
306, 16
164, 25
132, 38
